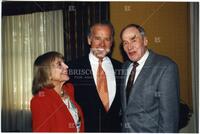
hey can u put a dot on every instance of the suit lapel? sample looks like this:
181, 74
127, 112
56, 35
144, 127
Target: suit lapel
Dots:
116, 80
87, 65
117, 68
142, 76
123, 85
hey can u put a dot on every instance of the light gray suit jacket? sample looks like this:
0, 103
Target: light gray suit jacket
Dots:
153, 104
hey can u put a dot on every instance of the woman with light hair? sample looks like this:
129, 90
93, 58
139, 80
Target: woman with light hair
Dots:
53, 106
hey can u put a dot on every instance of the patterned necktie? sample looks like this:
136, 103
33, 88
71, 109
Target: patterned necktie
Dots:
131, 80
102, 86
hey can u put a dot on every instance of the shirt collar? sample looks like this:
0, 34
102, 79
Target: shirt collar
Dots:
144, 58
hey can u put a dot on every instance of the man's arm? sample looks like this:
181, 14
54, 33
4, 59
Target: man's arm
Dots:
169, 99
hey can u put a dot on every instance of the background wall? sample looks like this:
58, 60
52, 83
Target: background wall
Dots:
167, 27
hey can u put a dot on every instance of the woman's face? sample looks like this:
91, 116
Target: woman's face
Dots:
59, 71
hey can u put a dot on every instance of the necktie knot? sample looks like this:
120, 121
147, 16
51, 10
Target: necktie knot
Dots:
135, 64
100, 61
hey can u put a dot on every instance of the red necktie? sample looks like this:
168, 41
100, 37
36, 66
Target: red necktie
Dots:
102, 86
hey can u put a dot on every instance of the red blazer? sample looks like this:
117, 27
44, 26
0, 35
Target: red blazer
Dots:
50, 114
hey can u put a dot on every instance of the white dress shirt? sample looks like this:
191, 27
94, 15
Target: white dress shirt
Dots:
138, 68
109, 71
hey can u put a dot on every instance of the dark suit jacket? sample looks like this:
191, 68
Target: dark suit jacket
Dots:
50, 114
153, 104
96, 118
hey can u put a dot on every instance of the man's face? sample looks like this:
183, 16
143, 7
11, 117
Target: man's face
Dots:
133, 43
100, 40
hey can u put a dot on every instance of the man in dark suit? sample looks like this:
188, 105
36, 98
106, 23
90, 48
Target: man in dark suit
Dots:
96, 83
150, 87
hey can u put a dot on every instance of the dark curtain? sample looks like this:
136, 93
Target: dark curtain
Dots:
77, 18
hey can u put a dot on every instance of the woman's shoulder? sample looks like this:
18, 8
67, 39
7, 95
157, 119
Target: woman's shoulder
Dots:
41, 97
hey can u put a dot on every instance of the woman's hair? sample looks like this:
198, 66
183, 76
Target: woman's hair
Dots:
41, 71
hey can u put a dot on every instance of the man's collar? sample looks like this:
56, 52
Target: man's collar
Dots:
144, 57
